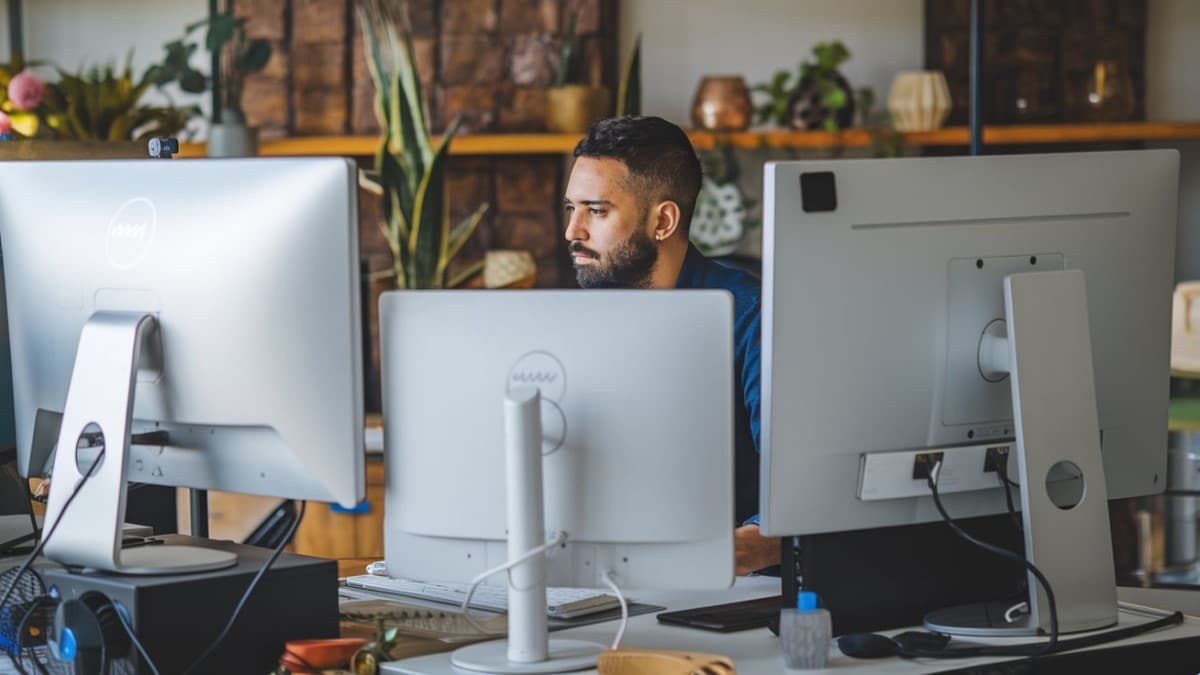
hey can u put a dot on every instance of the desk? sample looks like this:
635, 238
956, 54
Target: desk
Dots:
756, 652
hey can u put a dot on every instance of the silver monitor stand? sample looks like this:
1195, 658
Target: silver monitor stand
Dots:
100, 401
1045, 350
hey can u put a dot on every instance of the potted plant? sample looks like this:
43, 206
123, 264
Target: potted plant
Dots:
410, 170
572, 107
821, 97
239, 56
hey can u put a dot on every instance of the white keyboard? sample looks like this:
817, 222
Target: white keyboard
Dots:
561, 603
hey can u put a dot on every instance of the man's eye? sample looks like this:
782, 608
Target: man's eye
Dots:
568, 208
597, 212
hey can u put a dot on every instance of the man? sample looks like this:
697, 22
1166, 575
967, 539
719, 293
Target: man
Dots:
629, 203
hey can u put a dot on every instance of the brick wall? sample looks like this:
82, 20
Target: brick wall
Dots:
489, 60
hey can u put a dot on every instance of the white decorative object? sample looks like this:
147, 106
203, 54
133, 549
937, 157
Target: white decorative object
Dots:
718, 224
919, 100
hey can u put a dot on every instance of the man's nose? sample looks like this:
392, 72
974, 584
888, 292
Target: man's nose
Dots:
575, 229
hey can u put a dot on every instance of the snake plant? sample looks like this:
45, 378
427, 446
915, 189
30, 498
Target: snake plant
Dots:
410, 170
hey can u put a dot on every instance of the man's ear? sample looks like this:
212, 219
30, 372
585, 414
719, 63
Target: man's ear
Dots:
667, 220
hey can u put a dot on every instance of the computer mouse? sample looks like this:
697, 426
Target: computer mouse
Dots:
867, 646
920, 640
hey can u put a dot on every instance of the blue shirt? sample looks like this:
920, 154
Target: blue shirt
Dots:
700, 272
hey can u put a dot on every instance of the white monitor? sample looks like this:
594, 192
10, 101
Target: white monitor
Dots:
637, 411
884, 285
873, 313
239, 280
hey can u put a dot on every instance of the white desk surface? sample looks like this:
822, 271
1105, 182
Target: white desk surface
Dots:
756, 652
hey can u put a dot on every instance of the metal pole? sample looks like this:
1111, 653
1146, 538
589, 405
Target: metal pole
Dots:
216, 68
975, 87
16, 31
199, 512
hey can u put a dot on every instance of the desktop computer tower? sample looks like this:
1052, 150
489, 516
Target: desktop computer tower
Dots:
176, 617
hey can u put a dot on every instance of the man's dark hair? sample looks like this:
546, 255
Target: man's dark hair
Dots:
661, 160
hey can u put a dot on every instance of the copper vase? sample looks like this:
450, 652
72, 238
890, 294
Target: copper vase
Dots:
722, 103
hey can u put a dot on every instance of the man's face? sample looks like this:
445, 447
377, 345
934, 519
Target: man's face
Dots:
608, 226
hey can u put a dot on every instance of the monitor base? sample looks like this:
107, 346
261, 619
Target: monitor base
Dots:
564, 656
982, 619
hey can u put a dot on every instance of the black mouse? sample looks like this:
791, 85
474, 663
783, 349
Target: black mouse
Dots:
867, 646
921, 641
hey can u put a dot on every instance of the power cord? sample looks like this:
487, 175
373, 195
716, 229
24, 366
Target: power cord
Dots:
612, 584
1030, 650
237, 610
558, 539
120, 611
37, 550
1039, 649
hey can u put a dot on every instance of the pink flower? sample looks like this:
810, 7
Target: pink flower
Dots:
5, 123
25, 90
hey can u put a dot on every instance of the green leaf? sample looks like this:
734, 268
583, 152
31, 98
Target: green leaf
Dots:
428, 238
461, 234
629, 96
193, 82
220, 30
835, 99
567, 51
255, 58
390, 635
465, 275
830, 124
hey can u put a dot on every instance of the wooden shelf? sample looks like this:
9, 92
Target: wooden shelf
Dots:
561, 144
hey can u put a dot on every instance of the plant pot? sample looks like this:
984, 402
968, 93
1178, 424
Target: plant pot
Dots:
232, 140
571, 109
919, 100
807, 109
722, 103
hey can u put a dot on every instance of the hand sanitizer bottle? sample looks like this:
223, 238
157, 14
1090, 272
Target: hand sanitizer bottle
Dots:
805, 633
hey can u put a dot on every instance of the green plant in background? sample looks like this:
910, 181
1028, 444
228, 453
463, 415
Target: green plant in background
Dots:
820, 73
629, 96
409, 171
885, 140
566, 53
100, 104
240, 57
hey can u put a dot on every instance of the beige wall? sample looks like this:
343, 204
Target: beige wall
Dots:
682, 40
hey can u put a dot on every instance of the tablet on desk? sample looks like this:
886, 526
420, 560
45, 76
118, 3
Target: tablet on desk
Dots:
727, 618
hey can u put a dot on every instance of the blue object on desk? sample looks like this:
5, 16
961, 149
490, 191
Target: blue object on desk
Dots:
362, 507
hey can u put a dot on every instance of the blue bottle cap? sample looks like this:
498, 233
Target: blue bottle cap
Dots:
806, 601
67, 646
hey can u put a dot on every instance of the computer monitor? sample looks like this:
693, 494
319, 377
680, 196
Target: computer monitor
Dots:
636, 392
222, 295
884, 283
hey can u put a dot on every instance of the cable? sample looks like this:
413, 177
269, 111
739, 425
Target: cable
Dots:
119, 610
37, 550
1030, 650
558, 539
1050, 644
612, 584
237, 610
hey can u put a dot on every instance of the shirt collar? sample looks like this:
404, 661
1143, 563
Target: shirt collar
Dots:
691, 274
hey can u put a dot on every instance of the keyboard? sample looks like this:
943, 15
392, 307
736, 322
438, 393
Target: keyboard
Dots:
561, 603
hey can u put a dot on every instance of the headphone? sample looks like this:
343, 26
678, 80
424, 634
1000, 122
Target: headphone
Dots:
88, 633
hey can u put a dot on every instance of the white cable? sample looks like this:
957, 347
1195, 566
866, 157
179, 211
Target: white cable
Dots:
608, 579
1019, 608
558, 540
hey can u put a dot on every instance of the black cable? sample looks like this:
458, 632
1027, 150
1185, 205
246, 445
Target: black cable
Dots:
120, 612
1052, 642
237, 610
37, 550
1002, 474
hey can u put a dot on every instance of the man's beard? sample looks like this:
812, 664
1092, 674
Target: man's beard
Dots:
629, 265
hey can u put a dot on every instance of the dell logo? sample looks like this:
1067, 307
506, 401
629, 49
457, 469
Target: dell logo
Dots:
542, 370
131, 233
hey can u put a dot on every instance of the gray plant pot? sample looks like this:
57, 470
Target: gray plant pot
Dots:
232, 140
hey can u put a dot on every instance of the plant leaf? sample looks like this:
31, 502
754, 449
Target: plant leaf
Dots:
629, 97
465, 275
255, 57
462, 232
